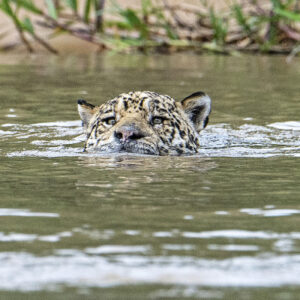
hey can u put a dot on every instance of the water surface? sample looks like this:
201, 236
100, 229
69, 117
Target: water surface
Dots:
220, 225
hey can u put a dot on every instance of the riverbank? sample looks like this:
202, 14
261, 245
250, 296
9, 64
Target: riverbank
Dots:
154, 26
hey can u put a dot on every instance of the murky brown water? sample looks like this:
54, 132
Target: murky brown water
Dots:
221, 225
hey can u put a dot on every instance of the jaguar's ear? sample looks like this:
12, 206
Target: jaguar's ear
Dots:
198, 107
86, 111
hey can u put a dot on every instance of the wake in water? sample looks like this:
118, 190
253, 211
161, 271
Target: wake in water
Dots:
65, 138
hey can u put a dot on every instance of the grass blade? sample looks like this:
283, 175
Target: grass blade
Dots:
146, 5
72, 4
131, 17
27, 25
51, 9
287, 14
28, 5
276, 3
5, 7
87, 10
135, 22
240, 17
219, 27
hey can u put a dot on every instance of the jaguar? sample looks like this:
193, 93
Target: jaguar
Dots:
145, 122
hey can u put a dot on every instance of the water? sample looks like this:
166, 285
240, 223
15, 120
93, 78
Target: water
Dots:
220, 225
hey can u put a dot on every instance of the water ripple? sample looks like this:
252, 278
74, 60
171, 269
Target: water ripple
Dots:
78, 269
65, 138
240, 234
270, 212
17, 212
23, 237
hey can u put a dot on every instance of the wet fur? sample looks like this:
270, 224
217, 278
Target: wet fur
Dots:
134, 116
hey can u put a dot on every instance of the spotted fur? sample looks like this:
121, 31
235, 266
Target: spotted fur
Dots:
145, 123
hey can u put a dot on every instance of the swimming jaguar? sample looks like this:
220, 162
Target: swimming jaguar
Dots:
145, 123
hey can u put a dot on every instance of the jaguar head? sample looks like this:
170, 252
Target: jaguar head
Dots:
145, 123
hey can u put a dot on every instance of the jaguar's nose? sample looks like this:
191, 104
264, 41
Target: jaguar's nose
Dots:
128, 133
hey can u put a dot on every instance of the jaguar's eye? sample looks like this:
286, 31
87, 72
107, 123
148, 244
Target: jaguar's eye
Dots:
110, 121
157, 120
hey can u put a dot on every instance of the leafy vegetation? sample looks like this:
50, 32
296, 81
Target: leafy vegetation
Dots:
273, 26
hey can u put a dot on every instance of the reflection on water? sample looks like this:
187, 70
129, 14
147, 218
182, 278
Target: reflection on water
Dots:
223, 224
